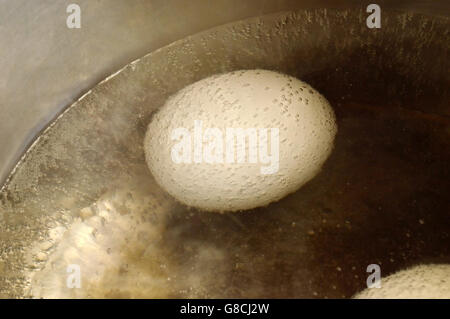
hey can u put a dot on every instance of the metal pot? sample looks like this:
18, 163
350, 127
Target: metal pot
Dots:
81, 198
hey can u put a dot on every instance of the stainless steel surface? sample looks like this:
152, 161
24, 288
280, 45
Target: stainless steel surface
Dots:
45, 66
83, 194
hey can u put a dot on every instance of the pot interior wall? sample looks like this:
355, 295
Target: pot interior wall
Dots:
83, 194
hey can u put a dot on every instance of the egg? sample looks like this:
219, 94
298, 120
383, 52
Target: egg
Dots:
239, 140
419, 282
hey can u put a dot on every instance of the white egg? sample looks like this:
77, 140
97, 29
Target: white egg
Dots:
419, 282
239, 140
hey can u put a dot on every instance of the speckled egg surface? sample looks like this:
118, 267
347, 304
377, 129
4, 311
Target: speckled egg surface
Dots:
419, 282
239, 140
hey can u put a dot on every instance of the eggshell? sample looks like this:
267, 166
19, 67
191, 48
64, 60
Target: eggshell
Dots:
419, 282
261, 101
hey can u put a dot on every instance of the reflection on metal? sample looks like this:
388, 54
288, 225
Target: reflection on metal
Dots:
83, 195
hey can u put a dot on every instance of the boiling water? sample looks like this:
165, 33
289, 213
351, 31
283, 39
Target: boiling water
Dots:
82, 195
